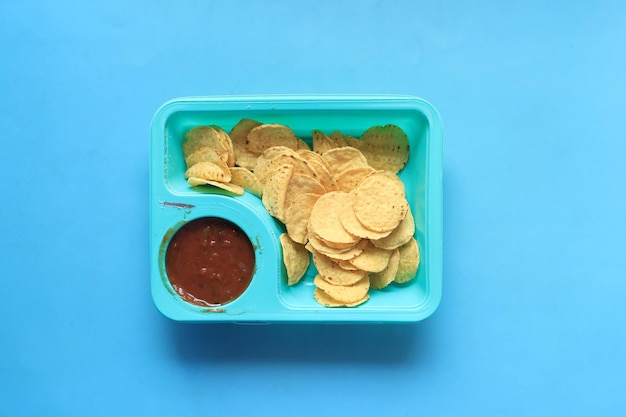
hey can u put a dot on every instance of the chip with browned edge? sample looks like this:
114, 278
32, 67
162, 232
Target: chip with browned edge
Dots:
385, 147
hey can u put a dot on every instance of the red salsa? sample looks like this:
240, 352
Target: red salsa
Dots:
209, 261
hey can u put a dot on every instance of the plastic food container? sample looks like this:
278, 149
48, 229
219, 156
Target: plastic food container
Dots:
268, 298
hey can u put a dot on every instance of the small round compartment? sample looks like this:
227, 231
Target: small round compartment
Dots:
210, 261
248, 214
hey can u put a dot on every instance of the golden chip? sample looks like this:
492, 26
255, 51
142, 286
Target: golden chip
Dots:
325, 300
277, 156
353, 225
321, 142
320, 169
385, 147
340, 159
302, 184
338, 138
344, 293
232, 188
267, 135
344, 140
247, 179
337, 254
372, 259
310, 156
333, 272
296, 259
348, 179
302, 145
238, 136
297, 216
409, 262
200, 137
204, 154
264, 160
324, 221
380, 202
346, 265
274, 192
379, 280
215, 171
323, 175
400, 235
228, 154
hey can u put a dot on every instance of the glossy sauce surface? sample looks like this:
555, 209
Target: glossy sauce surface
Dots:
209, 261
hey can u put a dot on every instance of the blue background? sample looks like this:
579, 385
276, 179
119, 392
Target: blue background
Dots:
533, 99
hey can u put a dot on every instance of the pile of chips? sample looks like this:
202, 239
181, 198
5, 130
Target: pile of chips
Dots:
341, 201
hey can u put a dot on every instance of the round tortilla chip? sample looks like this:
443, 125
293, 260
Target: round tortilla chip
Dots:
346, 265
340, 159
353, 225
350, 178
247, 179
325, 300
372, 259
265, 136
379, 280
238, 136
352, 141
324, 221
321, 142
275, 190
302, 184
409, 262
227, 154
215, 171
323, 175
296, 259
338, 138
302, 145
380, 202
400, 235
297, 216
204, 154
337, 254
310, 156
232, 188
385, 147
333, 272
320, 169
200, 137
344, 293
276, 156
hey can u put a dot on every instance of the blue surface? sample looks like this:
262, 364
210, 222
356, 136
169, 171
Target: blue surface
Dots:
532, 97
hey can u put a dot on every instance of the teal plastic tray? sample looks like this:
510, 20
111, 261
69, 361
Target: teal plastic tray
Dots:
268, 298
